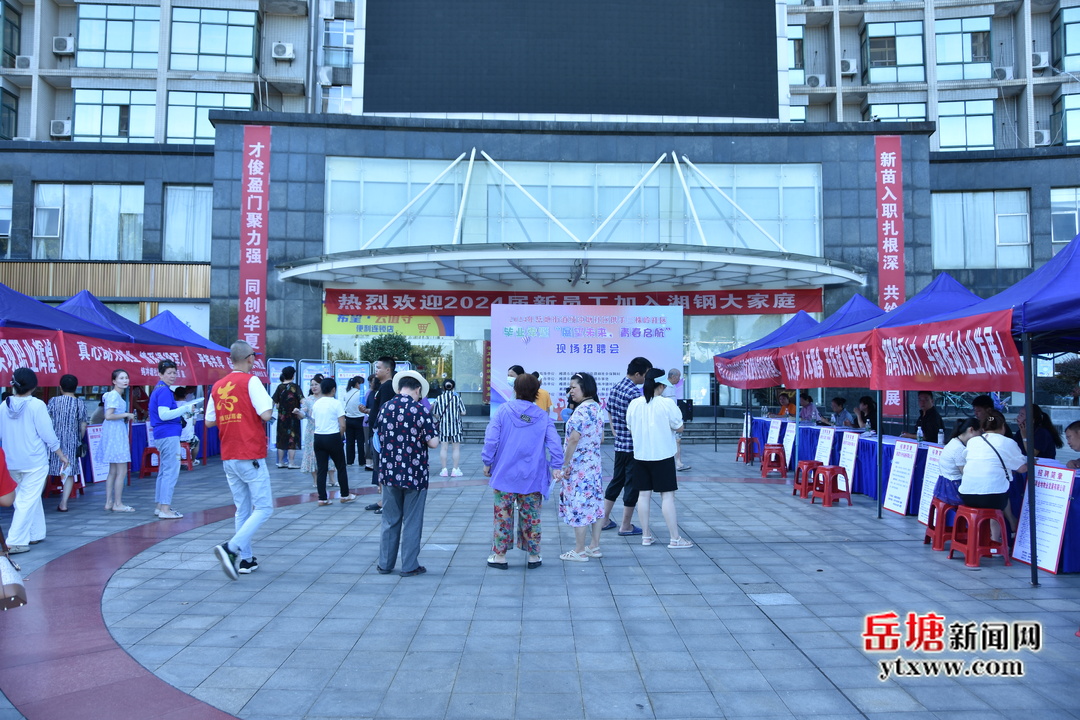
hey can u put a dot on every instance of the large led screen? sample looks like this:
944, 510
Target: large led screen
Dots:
713, 58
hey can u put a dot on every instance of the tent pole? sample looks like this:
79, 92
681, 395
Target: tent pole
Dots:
1029, 445
880, 458
795, 442
716, 420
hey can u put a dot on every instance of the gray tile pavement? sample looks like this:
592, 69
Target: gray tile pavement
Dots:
762, 618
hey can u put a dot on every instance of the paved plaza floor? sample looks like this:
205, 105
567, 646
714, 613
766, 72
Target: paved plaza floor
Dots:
131, 617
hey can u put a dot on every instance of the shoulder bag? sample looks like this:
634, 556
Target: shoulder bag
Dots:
12, 590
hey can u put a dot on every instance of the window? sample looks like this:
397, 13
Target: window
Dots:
981, 230
337, 99
963, 49
967, 125
188, 119
114, 115
338, 43
9, 115
118, 36
1065, 39
5, 219
214, 40
188, 210
10, 42
1064, 206
88, 222
1065, 123
893, 112
893, 52
796, 62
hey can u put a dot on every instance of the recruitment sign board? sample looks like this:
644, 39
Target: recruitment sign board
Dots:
903, 468
1053, 493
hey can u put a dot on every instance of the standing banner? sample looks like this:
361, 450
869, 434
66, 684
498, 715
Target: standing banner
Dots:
849, 448
99, 470
824, 445
558, 341
889, 172
929, 480
254, 217
1053, 492
903, 467
346, 371
774, 433
309, 369
790, 428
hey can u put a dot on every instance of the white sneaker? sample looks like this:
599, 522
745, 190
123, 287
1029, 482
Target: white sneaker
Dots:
456, 473
444, 473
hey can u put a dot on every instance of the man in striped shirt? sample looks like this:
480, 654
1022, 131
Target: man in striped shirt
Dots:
621, 479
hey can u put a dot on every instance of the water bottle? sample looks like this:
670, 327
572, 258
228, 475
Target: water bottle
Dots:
764, 411
918, 433
940, 437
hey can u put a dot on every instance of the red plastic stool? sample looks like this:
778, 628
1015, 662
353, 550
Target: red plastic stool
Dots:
971, 535
826, 483
938, 530
803, 472
773, 459
151, 459
186, 460
749, 450
54, 485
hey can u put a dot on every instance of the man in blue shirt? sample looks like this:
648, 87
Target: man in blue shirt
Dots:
165, 420
621, 478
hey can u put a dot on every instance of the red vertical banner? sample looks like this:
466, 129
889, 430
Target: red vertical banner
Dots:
254, 215
889, 169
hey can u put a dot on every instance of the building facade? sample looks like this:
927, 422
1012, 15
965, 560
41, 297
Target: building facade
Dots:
125, 175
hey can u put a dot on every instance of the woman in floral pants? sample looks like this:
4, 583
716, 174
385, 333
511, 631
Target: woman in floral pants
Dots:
521, 448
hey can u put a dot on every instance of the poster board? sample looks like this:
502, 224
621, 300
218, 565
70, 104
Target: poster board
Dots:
1053, 493
791, 428
774, 433
99, 470
930, 478
824, 445
903, 466
560, 340
849, 448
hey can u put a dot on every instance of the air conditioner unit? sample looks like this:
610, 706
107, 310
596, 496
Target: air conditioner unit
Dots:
23, 62
816, 81
1003, 73
326, 9
1040, 60
63, 45
283, 51
60, 128
1042, 137
326, 75
814, 3
849, 67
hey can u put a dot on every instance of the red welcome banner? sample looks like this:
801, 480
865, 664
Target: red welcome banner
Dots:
750, 371
40, 350
972, 354
479, 302
838, 361
254, 216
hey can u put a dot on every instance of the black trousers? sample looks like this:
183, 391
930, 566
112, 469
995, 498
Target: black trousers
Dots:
354, 439
327, 448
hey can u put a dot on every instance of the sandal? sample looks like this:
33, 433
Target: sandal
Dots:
680, 543
324, 502
594, 552
171, 515
493, 563
533, 564
647, 540
126, 508
573, 556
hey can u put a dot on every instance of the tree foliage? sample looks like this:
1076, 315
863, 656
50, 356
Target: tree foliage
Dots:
379, 346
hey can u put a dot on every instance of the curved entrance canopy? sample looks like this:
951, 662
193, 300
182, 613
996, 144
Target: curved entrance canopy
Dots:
560, 265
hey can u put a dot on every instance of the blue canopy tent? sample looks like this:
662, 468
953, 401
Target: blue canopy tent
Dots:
22, 311
89, 308
168, 324
855, 311
800, 322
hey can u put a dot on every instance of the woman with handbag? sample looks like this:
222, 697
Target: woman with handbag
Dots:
28, 437
991, 460
952, 460
69, 420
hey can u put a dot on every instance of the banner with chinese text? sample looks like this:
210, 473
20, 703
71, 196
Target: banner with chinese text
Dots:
889, 172
254, 213
409, 325
480, 302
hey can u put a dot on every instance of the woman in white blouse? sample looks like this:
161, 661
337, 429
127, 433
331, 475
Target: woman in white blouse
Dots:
653, 421
952, 460
991, 460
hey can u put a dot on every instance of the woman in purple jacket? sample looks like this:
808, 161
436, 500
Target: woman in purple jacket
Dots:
519, 469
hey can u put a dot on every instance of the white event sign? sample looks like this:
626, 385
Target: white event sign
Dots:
774, 432
849, 447
99, 470
791, 428
1053, 491
824, 445
903, 467
929, 481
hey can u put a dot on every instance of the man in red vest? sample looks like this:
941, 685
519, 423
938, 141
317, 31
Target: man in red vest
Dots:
240, 407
